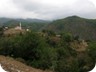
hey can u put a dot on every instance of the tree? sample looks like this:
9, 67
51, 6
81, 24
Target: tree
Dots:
92, 50
66, 37
1, 31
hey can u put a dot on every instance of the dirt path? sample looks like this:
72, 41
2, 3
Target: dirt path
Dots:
11, 65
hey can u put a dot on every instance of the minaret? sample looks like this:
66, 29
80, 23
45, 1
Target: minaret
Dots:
20, 26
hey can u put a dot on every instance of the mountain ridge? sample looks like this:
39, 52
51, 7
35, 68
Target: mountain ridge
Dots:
4, 20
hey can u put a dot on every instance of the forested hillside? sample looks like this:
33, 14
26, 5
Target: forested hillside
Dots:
85, 28
47, 51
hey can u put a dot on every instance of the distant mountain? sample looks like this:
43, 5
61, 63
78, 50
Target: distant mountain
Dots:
4, 20
32, 20
85, 28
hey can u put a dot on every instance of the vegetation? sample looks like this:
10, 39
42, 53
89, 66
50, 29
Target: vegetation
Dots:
92, 50
40, 51
59, 49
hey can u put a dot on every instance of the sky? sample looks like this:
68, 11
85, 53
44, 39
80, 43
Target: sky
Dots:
47, 9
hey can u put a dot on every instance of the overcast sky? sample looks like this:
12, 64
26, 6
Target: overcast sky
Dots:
47, 9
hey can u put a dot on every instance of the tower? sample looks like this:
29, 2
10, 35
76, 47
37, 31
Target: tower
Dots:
20, 26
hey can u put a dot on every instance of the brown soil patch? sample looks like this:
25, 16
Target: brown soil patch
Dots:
11, 65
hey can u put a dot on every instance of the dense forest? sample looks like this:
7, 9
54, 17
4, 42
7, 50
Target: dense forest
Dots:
53, 49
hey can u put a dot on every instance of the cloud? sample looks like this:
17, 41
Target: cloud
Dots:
85, 8
47, 9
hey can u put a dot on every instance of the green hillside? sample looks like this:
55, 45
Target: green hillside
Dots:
85, 28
